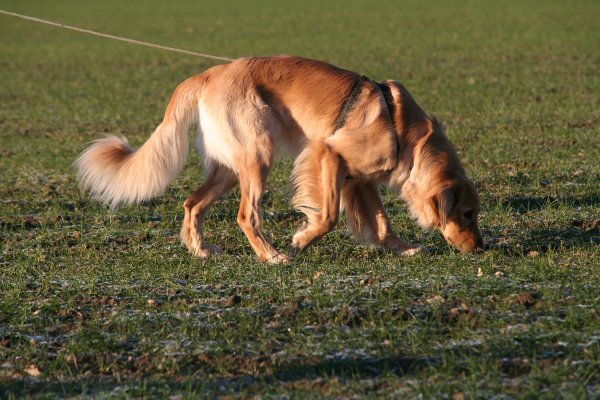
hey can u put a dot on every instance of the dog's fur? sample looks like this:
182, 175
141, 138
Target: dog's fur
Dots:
248, 108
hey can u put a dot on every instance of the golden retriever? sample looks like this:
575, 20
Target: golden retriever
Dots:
348, 134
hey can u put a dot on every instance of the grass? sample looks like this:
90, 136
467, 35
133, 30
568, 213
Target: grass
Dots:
109, 304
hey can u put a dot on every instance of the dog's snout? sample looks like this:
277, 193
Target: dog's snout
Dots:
470, 245
480, 245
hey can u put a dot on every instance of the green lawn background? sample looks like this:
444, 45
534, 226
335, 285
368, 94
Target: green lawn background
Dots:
110, 304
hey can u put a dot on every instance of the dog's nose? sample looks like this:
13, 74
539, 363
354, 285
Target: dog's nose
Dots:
474, 249
473, 246
481, 246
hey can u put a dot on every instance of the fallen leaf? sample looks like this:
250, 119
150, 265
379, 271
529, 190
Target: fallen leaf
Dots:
527, 299
436, 300
32, 370
479, 272
233, 300
458, 396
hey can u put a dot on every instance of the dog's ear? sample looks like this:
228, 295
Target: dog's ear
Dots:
443, 203
366, 151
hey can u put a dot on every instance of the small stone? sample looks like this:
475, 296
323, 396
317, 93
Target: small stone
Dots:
366, 281
7, 365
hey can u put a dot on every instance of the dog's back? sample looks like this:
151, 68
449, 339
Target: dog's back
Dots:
306, 92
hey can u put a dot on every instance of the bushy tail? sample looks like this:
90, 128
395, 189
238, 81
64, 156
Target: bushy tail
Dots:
114, 172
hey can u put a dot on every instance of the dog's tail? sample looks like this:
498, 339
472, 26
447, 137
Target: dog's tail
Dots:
114, 172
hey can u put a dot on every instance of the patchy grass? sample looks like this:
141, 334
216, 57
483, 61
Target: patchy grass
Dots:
111, 305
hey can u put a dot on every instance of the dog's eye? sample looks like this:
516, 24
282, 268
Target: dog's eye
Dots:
468, 214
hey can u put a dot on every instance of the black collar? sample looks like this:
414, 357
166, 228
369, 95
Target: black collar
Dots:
356, 89
353, 96
389, 100
391, 105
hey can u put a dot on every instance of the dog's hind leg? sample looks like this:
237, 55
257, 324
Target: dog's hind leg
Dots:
325, 177
368, 221
253, 177
219, 180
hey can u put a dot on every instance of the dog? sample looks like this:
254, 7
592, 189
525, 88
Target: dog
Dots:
349, 136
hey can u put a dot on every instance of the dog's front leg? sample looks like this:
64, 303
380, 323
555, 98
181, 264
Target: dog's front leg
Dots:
331, 178
368, 221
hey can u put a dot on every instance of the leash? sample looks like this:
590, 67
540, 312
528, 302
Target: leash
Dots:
343, 114
120, 38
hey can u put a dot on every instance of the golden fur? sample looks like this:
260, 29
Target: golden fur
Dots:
247, 109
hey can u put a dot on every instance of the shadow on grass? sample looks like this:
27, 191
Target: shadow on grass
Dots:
357, 368
284, 373
550, 240
524, 204
579, 233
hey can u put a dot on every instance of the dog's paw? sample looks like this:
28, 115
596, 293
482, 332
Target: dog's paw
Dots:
412, 251
206, 250
279, 258
301, 240
294, 250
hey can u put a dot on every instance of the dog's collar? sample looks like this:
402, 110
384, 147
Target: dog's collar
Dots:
391, 105
356, 89
355, 92
389, 100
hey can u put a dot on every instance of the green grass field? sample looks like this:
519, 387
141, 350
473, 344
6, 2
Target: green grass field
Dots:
110, 305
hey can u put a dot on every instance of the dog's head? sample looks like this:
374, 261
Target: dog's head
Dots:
456, 207
438, 192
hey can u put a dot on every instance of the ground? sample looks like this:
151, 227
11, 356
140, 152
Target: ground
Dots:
109, 304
